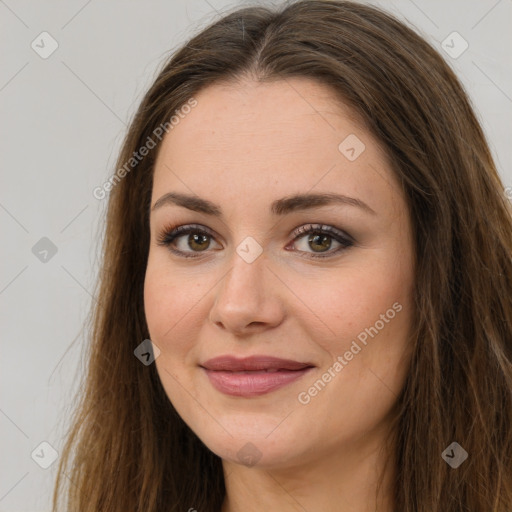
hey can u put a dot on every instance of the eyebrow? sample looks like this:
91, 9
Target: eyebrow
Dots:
281, 206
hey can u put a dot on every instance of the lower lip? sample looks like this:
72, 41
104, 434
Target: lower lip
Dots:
252, 383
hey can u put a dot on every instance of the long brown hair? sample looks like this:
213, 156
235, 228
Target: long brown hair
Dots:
128, 449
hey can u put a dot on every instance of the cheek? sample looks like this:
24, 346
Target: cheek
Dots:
353, 299
168, 306
159, 302
369, 312
161, 293
166, 302
174, 306
366, 310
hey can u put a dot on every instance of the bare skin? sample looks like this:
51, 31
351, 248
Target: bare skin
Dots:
244, 146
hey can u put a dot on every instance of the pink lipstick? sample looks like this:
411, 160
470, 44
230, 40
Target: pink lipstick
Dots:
252, 376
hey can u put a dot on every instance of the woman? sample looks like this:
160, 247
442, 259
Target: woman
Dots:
307, 223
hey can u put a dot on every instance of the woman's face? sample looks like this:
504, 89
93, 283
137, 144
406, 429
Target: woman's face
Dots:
278, 346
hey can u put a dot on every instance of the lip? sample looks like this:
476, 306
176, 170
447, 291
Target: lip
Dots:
252, 376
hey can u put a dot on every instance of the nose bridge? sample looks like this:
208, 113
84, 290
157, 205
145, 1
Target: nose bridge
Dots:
242, 297
245, 281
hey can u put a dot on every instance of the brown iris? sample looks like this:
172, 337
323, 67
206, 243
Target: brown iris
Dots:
323, 241
201, 241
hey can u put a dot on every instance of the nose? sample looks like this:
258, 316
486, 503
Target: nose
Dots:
246, 299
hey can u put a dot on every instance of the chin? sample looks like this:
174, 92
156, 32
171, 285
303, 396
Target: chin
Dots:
255, 453
252, 440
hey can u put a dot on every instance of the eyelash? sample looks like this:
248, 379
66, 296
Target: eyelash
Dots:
171, 233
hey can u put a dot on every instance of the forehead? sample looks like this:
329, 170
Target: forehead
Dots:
268, 139
237, 119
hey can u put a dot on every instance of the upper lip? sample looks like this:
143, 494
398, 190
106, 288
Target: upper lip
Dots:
254, 363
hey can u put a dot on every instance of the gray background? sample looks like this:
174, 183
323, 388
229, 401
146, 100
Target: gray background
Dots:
63, 119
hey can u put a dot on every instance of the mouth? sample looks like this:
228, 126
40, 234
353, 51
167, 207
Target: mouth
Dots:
253, 376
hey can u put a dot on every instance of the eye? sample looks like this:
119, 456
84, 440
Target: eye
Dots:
319, 238
198, 239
